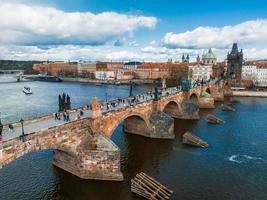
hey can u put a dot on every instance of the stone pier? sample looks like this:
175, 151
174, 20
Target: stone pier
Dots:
97, 158
217, 92
77, 150
206, 102
161, 126
190, 110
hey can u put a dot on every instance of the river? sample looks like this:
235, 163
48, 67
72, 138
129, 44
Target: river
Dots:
233, 167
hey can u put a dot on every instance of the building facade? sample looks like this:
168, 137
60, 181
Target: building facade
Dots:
199, 72
57, 68
107, 66
125, 74
255, 72
86, 69
151, 71
105, 75
131, 65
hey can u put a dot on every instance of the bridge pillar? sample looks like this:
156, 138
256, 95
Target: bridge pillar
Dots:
205, 99
161, 126
206, 102
96, 158
189, 107
190, 110
217, 93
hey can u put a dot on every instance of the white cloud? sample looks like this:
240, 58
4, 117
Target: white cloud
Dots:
247, 33
106, 53
153, 42
133, 44
254, 53
24, 24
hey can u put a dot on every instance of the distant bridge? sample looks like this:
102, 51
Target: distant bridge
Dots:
10, 71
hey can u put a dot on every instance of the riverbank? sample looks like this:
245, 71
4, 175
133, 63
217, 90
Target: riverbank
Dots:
249, 93
125, 82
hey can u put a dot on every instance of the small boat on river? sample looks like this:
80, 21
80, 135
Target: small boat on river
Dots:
27, 90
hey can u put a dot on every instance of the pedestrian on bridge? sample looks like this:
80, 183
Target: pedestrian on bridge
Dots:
58, 115
55, 116
65, 116
81, 112
68, 116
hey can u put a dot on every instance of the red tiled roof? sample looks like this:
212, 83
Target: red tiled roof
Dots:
259, 64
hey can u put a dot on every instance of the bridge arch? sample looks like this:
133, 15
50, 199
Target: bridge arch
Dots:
194, 97
173, 109
208, 90
133, 123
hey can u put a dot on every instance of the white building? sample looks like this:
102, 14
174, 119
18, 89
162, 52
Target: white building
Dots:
199, 72
255, 72
249, 72
261, 79
105, 75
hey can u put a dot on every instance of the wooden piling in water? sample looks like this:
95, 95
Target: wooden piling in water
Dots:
227, 108
149, 188
214, 120
189, 138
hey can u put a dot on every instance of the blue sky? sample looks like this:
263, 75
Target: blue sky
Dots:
136, 29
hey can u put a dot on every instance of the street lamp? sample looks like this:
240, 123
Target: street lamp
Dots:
22, 128
1, 127
131, 89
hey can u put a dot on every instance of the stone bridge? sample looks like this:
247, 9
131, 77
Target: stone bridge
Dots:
83, 148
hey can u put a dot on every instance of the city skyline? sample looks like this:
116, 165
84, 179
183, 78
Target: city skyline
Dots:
131, 30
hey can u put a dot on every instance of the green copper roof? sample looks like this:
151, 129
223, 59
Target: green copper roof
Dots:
209, 55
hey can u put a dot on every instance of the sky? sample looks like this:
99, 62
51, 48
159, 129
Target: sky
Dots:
127, 30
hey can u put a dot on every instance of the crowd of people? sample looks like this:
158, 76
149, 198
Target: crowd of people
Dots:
65, 115
133, 100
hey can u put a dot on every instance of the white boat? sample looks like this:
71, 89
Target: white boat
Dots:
117, 82
27, 90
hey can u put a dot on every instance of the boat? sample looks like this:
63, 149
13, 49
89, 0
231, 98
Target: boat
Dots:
214, 120
189, 138
117, 83
98, 84
227, 108
27, 90
47, 78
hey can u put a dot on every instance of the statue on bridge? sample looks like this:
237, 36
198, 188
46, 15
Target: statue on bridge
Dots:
64, 102
186, 85
156, 94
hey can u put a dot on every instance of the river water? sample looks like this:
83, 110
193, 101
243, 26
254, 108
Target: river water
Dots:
233, 167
